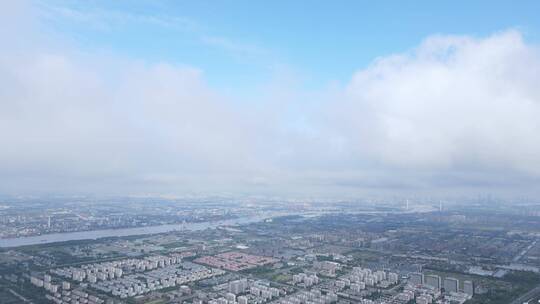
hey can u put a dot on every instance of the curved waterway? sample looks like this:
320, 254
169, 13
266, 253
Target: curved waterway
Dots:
97, 234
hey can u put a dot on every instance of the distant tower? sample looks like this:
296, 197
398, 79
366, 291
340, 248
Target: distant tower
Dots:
440, 206
407, 206
49, 222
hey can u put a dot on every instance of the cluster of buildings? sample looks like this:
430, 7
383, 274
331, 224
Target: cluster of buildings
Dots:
167, 276
428, 288
357, 285
45, 282
327, 268
360, 278
122, 278
354, 285
313, 296
403, 297
235, 261
264, 292
110, 270
238, 286
306, 280
62, 293
74, 297
243, 292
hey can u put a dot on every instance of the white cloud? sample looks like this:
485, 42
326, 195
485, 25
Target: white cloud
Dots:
452, 103
61, 116
457, 112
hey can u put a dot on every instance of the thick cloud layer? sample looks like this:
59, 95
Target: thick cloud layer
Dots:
466, 110
454, 102
454, 114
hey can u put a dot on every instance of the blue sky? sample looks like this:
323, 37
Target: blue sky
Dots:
240, 44
333, 98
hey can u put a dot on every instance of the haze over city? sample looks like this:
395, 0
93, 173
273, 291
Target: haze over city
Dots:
302, 99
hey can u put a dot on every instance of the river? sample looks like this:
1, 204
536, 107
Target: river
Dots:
97, 234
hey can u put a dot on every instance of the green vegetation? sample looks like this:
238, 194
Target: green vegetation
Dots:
296, 270
499, 291
281, 278
510, 287
175, 244
325, 258
362, 256
27, 290
258, 270
171, 288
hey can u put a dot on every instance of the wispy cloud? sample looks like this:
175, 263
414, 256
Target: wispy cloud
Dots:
101, 19
234, 47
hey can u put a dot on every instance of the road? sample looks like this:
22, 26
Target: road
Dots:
535, 292
25, 300
525, 251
